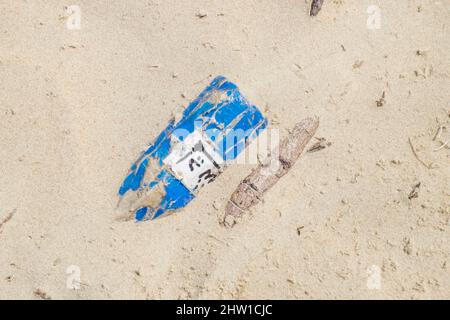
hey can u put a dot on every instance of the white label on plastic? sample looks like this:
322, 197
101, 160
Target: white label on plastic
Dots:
194, 161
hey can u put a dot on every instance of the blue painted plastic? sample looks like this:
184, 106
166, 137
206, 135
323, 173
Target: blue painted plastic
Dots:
223, 117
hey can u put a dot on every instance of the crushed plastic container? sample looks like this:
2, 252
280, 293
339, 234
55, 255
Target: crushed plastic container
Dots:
190, 153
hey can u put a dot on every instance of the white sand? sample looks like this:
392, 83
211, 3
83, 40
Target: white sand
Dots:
77, 107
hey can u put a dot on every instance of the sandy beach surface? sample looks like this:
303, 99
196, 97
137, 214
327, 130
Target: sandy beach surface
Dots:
80, 99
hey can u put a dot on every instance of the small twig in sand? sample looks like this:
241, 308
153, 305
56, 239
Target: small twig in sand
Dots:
444, 144
414, 192
8, 217
428, 166
380, 103
319, 145
437, 136
41, 294
316, 5
438, 133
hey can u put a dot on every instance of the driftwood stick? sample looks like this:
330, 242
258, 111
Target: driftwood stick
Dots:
251, 190
316, 5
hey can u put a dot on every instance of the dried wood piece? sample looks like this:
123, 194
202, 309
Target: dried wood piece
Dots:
251, 190
316, 5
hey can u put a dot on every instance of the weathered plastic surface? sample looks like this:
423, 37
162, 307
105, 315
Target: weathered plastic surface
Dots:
213, 130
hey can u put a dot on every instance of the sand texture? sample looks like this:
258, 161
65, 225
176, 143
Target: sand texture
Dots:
349, 220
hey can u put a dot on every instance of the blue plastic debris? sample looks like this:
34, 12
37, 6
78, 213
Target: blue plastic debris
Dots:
213, 130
